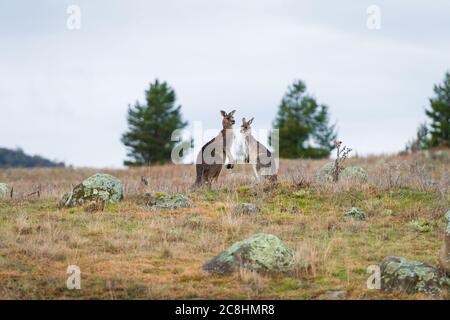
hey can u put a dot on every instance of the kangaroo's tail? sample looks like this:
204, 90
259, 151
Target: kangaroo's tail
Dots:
199, 178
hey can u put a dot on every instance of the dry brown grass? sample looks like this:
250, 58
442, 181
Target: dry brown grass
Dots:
125, 251
413, 171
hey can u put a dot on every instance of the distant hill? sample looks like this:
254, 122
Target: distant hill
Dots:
18, 159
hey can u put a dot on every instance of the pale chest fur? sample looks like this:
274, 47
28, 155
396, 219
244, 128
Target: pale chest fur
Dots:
224, 140
251, 147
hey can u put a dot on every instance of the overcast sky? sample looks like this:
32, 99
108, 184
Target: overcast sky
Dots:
64, 93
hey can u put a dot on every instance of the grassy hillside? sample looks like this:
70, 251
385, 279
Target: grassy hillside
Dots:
128, 252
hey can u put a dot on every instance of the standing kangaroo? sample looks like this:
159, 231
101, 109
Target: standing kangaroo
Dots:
211, 158
257, 155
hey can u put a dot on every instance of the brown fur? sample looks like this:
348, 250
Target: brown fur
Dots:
254, 151
209, 172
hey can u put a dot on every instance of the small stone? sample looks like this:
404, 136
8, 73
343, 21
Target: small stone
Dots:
356, 214
166, 201
246, 208
334, 295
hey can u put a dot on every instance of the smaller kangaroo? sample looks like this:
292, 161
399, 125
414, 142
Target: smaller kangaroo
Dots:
257, 154
211, 157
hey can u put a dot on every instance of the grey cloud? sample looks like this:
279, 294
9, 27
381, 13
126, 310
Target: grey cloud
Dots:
64, 94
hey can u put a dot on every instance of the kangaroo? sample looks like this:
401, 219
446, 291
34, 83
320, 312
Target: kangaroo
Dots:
211, 158
256, 154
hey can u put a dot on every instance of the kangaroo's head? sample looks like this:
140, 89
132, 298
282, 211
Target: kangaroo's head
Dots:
228, 119
245, 127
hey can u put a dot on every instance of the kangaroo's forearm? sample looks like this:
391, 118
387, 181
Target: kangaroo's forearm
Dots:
229, 155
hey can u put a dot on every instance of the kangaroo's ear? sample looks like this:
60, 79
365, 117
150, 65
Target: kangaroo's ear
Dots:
224, 114
232, 112
243, 120
250, 121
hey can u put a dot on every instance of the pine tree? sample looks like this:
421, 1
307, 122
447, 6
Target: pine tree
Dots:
421, 141
150, 126
303, 124
439, 114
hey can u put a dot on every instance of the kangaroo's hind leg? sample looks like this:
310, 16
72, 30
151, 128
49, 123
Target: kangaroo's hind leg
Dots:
199, 178
255, 173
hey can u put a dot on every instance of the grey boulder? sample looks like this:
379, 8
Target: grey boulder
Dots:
410, 277
100, 187
261, 253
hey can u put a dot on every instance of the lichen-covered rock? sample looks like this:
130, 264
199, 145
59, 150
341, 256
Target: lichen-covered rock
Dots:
100, 187
411, 277
351, 173
354, 173
356, 213
324, 174
261, 253
444, 258
4, 189
166, 201
246, 208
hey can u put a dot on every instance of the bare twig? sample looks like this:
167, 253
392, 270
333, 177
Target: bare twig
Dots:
341, 155
37, 192
144, 181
